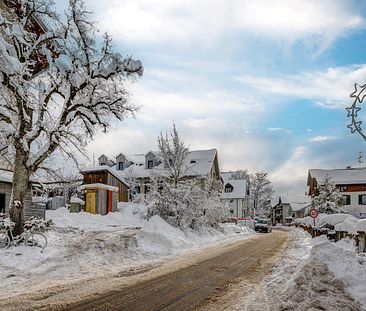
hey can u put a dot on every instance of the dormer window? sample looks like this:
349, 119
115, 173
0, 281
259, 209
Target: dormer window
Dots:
150, 164
228, 188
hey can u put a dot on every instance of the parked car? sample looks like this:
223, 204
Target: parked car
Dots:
263, 225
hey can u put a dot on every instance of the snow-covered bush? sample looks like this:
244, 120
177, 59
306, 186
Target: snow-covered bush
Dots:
192, 203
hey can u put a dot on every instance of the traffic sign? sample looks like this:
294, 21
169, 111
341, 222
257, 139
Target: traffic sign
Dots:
313, 213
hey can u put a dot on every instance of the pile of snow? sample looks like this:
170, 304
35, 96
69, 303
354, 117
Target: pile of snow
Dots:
361, 225
82, 245
344, 263
349, 225
324, 219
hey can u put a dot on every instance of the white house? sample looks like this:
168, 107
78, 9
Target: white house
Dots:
235, 197
351, 182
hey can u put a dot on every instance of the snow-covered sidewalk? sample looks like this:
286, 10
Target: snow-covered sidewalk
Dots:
312, 274
84, 246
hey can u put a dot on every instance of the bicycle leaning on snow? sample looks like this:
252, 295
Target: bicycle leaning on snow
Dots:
29, 237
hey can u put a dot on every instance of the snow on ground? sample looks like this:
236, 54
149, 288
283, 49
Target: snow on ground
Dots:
311, 275
83, 245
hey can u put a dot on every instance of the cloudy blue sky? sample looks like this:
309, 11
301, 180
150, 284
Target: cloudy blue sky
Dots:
265, 82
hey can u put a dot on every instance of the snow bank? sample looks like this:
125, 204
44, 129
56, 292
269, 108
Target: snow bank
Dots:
346, 265
349, 225
324, 219
82, 245
361, 225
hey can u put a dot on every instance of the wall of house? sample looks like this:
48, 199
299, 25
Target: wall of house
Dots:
237, 206
354, 208
122, 188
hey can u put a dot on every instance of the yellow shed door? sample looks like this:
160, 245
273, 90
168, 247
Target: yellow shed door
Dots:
90, 202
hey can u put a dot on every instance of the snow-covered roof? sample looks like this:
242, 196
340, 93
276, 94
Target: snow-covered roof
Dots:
98, 186
239, 189
136, 158
199, 162
106, 168
6, 176
340, 176
297, 202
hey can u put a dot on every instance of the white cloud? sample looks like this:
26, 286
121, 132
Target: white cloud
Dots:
320, 22
330, 88
321, 138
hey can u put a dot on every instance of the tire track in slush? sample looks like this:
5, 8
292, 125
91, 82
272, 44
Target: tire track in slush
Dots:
196, 286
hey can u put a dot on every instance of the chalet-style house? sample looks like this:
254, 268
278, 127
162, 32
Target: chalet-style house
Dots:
235, 196
141, 167
31, 206
104, 187
290, 207
351, 182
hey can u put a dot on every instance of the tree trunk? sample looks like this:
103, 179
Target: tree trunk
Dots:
19, 191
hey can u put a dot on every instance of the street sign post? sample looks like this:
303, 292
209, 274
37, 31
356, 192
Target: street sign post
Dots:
314, 214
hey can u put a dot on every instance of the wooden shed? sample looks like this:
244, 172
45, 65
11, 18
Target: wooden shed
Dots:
30, 208
104, 188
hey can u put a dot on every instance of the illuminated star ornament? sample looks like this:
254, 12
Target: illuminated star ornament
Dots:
352, 112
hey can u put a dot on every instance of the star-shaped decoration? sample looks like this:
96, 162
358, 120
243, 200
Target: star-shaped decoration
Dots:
355, 126
352, 112
359, 92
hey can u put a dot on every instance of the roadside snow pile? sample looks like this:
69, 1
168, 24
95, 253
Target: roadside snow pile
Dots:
333, 278
349, 225
324, 219
316, 288
346, 265
83, 245
158, 237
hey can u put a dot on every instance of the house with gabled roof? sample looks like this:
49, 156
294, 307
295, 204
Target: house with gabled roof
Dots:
235, 197
290, 207
199, 163
351, 182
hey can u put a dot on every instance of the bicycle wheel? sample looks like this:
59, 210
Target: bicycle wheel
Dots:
37, 239
4, 240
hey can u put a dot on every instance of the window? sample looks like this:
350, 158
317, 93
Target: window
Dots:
2, 202
193, 161
102, 163
228, 188
120, 166
346, 199
362, 199
150, 164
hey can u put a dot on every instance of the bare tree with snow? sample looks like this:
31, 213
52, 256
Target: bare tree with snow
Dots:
185, 202
174, 153
261, 193
58, 86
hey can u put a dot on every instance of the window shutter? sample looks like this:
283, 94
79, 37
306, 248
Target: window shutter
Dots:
359, 199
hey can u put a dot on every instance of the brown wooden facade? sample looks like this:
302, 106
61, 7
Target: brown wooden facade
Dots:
106, 178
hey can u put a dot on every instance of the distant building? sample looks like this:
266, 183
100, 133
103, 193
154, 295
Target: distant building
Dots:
351, 182
289, 207
235, 197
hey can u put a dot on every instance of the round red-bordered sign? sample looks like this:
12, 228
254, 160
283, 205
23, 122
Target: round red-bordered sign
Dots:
313, 213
